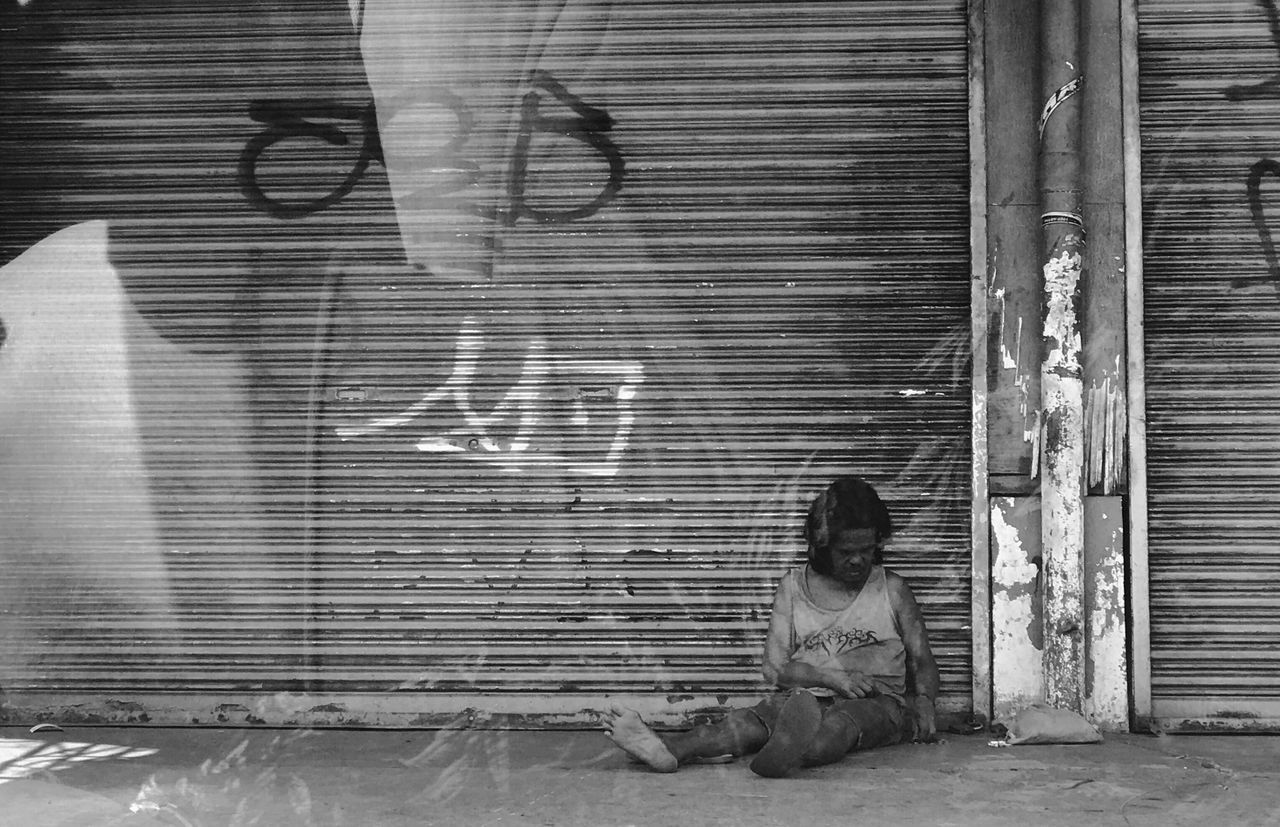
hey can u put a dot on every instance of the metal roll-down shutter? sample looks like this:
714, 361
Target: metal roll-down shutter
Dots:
1210, 119
656, 273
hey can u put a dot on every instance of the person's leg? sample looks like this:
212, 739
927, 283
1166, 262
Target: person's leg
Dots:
792, 734
739, 732
837, 735
855, 724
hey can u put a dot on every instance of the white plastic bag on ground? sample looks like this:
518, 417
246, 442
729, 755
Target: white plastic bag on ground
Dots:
1039, 724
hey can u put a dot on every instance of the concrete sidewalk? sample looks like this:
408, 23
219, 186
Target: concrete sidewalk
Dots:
323, 778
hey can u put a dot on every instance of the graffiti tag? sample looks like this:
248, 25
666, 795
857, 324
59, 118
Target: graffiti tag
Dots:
1256, 173
1269, 88
286, 120
522, 409
297, 120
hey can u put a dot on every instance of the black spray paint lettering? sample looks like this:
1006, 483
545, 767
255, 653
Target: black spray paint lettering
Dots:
290, 120
1269, 88
1256, 173
588, 125
457, 172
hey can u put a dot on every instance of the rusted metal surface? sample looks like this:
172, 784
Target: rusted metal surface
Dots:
458, 710
1213, 725
1221, 714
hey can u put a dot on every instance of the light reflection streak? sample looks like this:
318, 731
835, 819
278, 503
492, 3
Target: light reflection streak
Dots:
26, 757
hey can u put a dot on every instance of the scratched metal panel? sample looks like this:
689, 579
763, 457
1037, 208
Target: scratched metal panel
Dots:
1210, 110
523, 383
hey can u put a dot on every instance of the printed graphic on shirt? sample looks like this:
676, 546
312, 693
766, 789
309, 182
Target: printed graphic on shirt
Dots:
836, 641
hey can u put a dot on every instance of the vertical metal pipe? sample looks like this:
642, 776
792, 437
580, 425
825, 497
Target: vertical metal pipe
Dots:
1061, 383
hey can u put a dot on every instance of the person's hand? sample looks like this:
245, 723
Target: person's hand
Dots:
850, 684
926, 719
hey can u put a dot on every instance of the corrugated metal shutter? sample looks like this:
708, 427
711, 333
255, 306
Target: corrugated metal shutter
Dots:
1210, 111
671, 267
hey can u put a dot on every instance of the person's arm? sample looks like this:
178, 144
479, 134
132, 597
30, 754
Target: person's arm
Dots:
922, 669
780, 644
800, 675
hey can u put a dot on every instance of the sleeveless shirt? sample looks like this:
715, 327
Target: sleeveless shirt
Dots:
863, 636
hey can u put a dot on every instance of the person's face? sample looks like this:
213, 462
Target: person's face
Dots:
853, 553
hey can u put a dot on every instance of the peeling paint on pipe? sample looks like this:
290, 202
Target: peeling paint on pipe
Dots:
1062, 484
1062, 539
1061, 323
1061, 385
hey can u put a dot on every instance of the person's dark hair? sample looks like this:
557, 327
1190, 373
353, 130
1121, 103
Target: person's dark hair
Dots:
847, 503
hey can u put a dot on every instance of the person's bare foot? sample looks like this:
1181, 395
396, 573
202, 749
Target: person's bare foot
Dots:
633, 736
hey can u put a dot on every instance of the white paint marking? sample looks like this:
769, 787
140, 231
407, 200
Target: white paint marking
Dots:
522, 404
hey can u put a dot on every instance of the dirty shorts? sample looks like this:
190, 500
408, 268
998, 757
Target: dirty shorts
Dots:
882, 720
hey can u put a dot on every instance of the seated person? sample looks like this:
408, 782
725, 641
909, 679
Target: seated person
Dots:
846, 648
